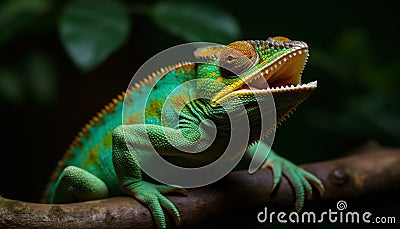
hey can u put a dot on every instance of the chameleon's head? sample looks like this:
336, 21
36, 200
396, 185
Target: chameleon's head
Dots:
262, 67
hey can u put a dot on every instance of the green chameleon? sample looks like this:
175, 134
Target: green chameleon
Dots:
103, 160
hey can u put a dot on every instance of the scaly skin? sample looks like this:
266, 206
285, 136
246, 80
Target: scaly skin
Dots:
100, 163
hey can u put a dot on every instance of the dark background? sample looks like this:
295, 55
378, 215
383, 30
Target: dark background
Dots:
45, 98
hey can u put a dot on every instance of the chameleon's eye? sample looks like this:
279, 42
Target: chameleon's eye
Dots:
237, 58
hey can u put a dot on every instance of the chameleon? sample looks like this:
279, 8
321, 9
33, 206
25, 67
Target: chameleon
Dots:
103, 160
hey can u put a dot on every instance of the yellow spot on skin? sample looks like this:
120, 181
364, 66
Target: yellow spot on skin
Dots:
213, 73
219, 79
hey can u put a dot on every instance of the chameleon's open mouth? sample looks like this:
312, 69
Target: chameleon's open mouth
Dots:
282, 73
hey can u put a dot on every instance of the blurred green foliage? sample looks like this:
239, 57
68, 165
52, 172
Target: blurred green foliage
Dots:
368, 89
91, 30
195, 21
62, 60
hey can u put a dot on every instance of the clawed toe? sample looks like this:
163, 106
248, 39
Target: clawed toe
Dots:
301, 180
152, 196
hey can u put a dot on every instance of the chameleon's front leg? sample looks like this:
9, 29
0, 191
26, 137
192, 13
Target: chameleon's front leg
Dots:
125, 162
299, 178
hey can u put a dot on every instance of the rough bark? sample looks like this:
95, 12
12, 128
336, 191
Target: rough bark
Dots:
373, 170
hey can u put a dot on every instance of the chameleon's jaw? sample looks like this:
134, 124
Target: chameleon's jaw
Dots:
282, 73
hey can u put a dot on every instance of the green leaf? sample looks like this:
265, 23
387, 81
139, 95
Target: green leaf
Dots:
91, 30
196, 21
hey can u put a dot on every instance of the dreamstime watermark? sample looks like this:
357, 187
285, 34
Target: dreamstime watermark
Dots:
330, 216
167, 97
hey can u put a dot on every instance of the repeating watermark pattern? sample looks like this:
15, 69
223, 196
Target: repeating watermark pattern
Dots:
330, 216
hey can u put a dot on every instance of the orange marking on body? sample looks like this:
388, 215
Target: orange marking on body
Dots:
281, 39
134, 118
128, 100
154, 108
242, 47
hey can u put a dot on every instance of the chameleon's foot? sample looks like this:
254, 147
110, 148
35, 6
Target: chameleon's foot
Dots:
152, 196
300, 179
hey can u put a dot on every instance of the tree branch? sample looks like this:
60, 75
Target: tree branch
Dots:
373, 170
